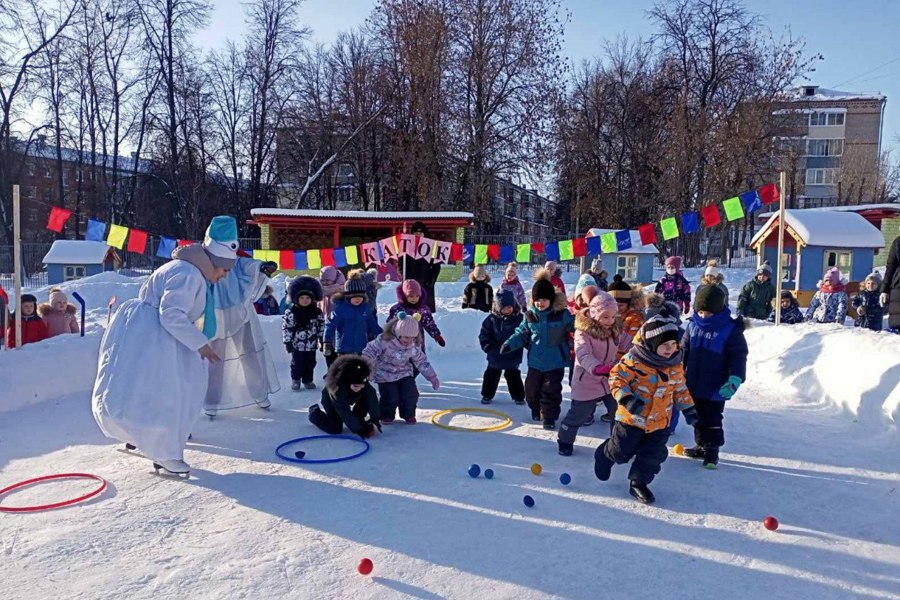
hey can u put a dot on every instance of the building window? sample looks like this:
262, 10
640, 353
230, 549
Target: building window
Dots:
822, 176
842, 259
822, 119
47, 173
627, 267
30, 169
824, 147
73, 273
32, 214
786, 262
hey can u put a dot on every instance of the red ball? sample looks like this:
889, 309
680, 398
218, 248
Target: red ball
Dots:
365, 566
770, 523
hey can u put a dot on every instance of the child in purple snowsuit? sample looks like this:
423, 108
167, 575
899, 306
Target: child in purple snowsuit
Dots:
412, 301
673, 285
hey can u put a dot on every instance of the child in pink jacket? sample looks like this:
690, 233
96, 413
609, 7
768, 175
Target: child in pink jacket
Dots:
599, 336
59, 315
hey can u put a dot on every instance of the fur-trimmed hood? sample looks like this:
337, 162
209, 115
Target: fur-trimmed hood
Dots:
487, 278
340, 365
542, 273
560, 302
44, 310
591, 327
401, 298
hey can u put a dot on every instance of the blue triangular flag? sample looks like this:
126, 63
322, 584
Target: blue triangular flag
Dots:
300, 261
468, 253
690, 222
751, 201
623, 240
340, 257
507, 253
167, 245
593, 246
551, 250
95, 230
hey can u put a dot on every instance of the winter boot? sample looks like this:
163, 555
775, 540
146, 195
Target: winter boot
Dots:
642, 493
310, 385
602, 465
519, 401
696, 452
608, 418
535, 414
387, 420
711, 457
486, 400
411, 421
172, 467
565, 449
295, 384
130, 447
549, 424
588, 422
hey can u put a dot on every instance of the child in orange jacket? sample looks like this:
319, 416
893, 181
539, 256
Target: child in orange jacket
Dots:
648, 384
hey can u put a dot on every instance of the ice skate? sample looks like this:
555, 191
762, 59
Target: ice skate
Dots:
265, 404
176, 467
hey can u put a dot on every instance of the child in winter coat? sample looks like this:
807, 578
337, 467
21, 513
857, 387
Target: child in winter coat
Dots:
673, 285
512, 284
713, 276
870, 313
755, 301
715, 359
648, 384
372, 286
33, 327
393, 355
496, 328
348, 399
332, 280
555, 275
829, 305
267, 305
545, 330
59, 315
630, 301
790, 310
580, 299
599, 337
478, 294
598, 274
302, 328
411, 300
351, 324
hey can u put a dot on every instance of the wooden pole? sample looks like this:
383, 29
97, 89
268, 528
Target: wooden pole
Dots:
780, 249
17, 257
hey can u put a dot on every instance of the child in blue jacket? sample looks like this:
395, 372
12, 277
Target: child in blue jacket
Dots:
351, 323
715, 360
869, 312
790, 310
545, 331
496, 328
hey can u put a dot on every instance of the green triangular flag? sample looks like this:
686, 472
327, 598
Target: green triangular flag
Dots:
608, 243
481, 257
523, 253
566, 252
669, 228
733, 208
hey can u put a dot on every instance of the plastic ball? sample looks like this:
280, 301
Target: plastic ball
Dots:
537, 469
678, 449
474, 471
299, 453
488, 473
770, 523
565, 479
365, 566
529, 501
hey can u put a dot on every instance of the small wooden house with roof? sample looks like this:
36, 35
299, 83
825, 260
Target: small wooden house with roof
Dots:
634, 264
75, 259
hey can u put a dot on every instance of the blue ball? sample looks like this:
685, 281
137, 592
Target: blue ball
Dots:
474, 471
488, 473
529, 501
565, 479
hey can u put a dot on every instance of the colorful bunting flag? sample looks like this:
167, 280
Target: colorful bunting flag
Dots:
388, 248
95, 230
481, 254
117, 235
313, 260
593, 246
58, 218
340, 257
443, 252
690, 223
669, 228
372, 253
537, 247
468, 253
769, 193
166, 247
326, 255
551, 249
406, 244
300, 262
711, 216
523, 253
608, 242
733, 208
286, 260
579, 246
507, 253
424, 248
456, 252
184, 243
566, 251
352, 255
648, 234
751, 201
494, 252
137, 241
623, 240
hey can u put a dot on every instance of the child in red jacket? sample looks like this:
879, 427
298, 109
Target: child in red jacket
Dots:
33, 327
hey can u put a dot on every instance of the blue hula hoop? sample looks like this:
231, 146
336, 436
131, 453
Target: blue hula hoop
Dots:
322, 461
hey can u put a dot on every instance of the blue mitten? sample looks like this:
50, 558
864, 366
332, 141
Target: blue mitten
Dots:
731, 387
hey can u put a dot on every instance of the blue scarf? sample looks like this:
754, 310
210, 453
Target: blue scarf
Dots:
711, 332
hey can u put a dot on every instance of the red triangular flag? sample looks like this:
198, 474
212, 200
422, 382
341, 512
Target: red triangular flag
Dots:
137, 241
648, 233
537, 247
58, 218
769, 193
711, 216
184, 243
579, 245
286, 260
456, 252
494, 252
327, 255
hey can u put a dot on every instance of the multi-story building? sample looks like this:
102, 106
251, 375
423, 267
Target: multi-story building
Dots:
833, 140
521, 213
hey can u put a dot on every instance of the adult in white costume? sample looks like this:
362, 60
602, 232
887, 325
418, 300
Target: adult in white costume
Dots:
247, 374
151, 376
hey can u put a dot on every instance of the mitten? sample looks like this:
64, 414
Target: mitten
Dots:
731, 387
435, 384
690, 415
632, 404
367, 431
600, 370
861, 310
289, 347
883, 299
268, 268
327, 349
440, 341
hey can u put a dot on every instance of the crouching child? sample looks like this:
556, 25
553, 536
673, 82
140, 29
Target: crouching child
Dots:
348, 399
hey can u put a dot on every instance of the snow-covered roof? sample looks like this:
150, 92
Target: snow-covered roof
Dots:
826, 228
798, 94
76, 252
895, 207
636, 246
357, 214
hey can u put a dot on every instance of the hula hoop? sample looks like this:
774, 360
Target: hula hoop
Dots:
485, 411
321, 461
64, 503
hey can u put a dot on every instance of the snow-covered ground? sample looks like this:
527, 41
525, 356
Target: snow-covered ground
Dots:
811, 439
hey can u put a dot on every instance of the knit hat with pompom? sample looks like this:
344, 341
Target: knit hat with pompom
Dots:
602, 302
406, 325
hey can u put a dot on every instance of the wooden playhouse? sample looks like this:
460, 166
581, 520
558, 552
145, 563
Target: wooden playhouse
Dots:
634, 264
75, 259
814, 241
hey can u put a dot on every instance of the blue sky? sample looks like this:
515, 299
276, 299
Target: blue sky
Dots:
860, 39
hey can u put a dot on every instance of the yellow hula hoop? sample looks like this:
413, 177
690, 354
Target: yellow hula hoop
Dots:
484, 411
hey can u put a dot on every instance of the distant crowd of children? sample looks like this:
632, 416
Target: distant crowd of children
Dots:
40, 321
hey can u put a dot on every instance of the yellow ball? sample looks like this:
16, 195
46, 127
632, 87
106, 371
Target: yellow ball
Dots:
537, 469
678, 449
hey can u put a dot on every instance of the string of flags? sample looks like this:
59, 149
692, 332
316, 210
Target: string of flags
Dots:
440, 252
